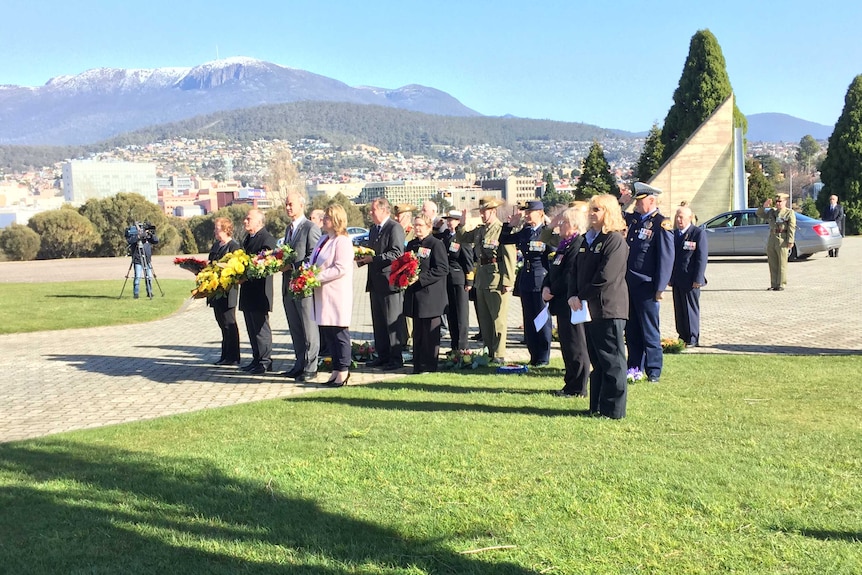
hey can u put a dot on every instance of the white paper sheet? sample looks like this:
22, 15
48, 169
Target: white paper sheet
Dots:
583, 315
542, 318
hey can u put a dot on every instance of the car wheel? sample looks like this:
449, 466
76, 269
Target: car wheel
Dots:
794, 255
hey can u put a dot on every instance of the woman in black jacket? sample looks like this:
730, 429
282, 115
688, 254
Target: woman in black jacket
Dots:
601, 281
572, 224
425, 298
224, 308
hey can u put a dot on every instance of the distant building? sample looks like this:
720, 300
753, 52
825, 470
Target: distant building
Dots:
399, 191
513, 189
89, 179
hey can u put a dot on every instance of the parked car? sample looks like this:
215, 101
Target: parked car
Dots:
353, 232
360, 239
742, 233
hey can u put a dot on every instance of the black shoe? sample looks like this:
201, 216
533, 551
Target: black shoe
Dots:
334, 383
250, 366
305, 376
653, 379
562, 393
259, 369
477, 337
291, 372
779, 289
393, 365
376, 362
539, 363
227, 362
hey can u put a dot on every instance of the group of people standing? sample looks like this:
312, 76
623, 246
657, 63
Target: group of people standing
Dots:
593, 254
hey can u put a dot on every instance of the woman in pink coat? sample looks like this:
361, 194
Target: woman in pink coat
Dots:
333, 300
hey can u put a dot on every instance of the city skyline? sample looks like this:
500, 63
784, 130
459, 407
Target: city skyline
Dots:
615, 66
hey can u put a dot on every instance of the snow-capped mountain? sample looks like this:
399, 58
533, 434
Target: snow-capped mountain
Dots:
103, 102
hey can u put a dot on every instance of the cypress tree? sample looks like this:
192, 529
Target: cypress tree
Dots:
703, 86
596, 176
651, 157
841, 171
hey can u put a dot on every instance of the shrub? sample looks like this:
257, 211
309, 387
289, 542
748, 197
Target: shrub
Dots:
19, 242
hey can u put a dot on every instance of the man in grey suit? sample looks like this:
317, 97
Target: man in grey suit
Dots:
302, 236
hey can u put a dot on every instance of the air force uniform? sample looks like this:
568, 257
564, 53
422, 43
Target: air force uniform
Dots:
650, 263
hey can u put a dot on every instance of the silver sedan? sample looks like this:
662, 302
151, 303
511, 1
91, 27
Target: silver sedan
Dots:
742, 233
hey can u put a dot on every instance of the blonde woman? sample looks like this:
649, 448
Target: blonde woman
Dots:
601, 282
333, 300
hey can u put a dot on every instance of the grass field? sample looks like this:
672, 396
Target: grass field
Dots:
733, 464
26, 307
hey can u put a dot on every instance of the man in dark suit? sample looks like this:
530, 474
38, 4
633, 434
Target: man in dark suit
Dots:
834, 212
302, 236
386, 238
688, 276
458, 282
255, 296
650, 262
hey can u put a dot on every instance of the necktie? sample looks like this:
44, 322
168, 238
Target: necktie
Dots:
289, 233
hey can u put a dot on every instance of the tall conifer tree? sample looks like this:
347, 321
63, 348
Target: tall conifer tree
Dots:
651, 156
703, 86
596, 177
841, 171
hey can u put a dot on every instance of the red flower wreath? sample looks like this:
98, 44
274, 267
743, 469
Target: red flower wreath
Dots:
403, 270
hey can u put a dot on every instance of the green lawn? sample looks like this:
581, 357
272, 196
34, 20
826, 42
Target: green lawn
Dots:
733, 464
26, 307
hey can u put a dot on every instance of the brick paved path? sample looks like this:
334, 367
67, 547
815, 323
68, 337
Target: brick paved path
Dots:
74, 379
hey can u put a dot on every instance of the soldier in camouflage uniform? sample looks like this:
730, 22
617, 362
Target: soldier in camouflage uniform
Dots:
782, 228
495, 276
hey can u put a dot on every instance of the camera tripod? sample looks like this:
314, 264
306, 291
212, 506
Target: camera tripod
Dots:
147, 269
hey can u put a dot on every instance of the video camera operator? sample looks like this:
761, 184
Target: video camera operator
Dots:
141, 238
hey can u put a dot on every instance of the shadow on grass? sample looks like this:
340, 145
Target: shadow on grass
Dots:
431, 406
826, 535
83, 296
784, 349
70, 507
446, 388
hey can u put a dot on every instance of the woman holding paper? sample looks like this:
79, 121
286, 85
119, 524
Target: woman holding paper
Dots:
601, 282
556, 287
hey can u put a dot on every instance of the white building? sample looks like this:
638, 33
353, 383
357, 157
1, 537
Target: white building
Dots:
89, 179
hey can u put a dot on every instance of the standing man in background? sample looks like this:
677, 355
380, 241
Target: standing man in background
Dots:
689, 275
386, 238
782, 232
302, 236
650, 263
255, 296
834, 212
495, 276
459, 281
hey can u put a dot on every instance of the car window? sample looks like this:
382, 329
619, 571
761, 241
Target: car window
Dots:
725, 221
751, 219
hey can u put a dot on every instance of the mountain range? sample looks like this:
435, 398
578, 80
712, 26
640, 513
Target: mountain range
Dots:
104, 103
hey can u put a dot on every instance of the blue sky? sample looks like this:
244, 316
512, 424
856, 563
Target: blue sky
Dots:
613, 64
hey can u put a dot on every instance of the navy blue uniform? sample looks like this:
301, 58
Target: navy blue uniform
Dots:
535, 252
650, 263
689, 269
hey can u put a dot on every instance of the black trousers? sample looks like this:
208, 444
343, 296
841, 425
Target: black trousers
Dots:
260, 337
458, 314
538, 342
576, 357
608, 386
686, 312
426, 343
387, 319
338, 340
226, 319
